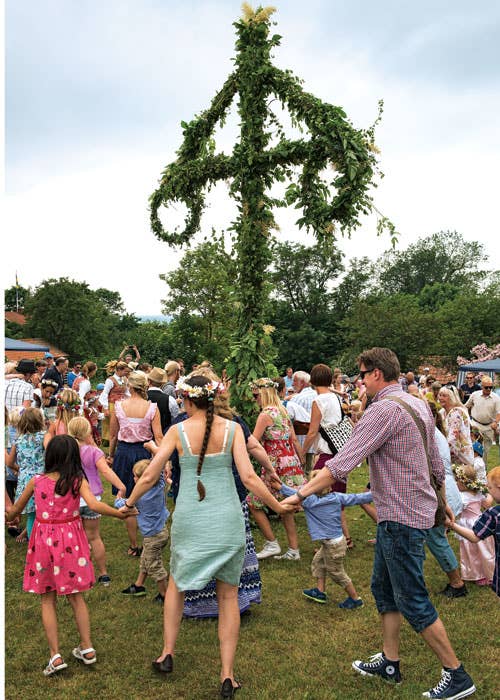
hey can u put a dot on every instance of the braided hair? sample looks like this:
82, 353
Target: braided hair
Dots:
205, 402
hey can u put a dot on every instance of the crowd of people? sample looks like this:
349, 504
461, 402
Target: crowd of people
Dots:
152, 431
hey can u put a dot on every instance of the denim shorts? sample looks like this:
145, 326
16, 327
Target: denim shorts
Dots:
86, 513
398, 578
441, 549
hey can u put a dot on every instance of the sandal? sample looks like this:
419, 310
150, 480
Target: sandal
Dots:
82, 655
53, 667
227, 689
134, 551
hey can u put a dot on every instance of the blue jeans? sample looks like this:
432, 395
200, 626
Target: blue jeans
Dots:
441, 549
398, 578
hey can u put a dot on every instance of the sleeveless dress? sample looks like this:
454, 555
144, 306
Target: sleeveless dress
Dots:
207, 537
30, 459
133, 433
58, 556
277, 443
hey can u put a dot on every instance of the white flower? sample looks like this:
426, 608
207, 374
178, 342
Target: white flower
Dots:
49, 541
38, 566
56, 570
65, 510
75, 513
79, 579
45, 515
77, 548
82, 561
63, 588
70, 535
51, 503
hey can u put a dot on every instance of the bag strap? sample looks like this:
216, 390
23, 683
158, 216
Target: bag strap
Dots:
419, 423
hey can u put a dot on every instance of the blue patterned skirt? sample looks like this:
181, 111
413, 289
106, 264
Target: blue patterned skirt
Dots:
204, 603
126, 455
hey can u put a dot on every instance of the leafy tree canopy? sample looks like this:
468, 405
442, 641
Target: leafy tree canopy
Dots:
15, 298
444, 258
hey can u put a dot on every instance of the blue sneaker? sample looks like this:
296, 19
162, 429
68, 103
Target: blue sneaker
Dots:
351, 603
315, 594
454, 684
379, 665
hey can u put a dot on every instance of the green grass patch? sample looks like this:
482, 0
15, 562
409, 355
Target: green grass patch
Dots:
289, 647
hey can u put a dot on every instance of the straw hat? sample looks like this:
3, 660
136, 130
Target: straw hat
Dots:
158, 376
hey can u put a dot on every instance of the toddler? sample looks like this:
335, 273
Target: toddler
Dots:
477, 560
479, 464
487, 525
152, 522
323, 516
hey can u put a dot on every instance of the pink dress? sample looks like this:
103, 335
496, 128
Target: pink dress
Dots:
477, 560
58, 557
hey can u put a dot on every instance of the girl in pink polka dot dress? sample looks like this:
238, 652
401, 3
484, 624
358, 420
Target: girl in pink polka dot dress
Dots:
58, 558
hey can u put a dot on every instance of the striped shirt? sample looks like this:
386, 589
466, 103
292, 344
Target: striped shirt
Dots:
388, 437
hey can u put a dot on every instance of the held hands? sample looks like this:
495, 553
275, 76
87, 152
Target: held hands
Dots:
125, 512
274, 480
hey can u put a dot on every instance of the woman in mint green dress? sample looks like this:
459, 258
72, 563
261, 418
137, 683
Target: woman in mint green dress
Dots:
208, 533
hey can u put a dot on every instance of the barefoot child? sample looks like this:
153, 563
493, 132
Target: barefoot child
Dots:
94, 466
152, 519
58, 557
488, 524
323, 516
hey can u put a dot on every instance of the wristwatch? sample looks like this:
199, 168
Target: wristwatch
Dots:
300, 495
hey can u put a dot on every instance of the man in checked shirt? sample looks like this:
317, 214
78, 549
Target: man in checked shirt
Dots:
388, 437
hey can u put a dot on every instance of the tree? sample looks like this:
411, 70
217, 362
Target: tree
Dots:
442, 258
254, 165
396, 322
69, 314
203, 285
15, 298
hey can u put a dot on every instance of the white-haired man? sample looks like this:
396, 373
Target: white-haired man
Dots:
484, 409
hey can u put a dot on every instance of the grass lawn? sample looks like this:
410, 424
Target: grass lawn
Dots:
289, 647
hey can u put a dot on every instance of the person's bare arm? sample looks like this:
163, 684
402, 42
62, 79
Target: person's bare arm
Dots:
313, 427
263, 421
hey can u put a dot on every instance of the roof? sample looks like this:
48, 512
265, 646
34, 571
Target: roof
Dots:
15, 317
484, 365
14, 344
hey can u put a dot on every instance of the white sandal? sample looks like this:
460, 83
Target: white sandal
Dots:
54, 668
80, 654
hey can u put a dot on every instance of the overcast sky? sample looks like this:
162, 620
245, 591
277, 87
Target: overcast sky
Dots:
95, 92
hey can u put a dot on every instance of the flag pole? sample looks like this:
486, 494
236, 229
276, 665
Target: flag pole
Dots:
17, 294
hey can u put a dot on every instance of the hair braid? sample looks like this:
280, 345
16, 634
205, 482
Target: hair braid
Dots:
208, 427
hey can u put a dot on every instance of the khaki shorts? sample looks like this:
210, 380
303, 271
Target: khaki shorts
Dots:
151, 558
329, 559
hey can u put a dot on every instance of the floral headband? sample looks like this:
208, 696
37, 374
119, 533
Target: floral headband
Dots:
264, 383
470, 484
68, 405
207, 391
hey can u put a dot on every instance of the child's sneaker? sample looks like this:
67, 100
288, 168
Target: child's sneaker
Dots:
159, 599
290, 554
104, 579
315, 594
351, 603
379, 665
135, 590
269, 550
454, 684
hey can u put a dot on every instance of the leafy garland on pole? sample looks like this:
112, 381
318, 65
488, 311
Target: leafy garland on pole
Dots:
254, 166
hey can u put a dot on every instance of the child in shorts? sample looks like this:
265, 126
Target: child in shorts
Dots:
152, 522
323, 522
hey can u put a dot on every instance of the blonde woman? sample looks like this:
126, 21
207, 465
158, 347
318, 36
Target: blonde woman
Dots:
134, 421
457, 424
275, 431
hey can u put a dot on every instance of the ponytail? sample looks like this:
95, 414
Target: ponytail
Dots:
208, 427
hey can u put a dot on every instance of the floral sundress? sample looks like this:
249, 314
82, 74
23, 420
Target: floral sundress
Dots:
30, 459
277, 442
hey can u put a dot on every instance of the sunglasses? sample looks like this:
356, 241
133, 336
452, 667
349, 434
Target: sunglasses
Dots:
364, 372
487, 388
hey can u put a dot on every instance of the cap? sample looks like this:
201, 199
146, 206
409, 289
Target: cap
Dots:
48, 355
100, 387
478, 448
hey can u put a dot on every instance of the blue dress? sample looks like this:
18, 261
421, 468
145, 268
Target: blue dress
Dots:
208, 537
30, 459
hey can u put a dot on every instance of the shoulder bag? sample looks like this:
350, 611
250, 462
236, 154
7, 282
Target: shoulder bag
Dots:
440, 517
336, 436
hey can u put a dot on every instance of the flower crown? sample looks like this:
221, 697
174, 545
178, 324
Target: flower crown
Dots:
470, 484
207, 391
264, 383
68, 405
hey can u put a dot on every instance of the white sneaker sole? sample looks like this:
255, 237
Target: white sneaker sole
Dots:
267, 555
373, 675
462, 694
